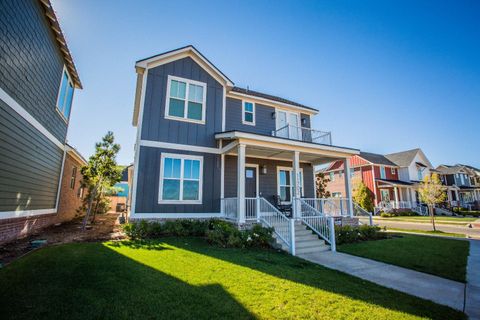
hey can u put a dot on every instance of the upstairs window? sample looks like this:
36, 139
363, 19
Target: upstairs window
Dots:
181, 179
332, 176
65, 95
248, 113
186, 100
392, 171
419, 174
383, 175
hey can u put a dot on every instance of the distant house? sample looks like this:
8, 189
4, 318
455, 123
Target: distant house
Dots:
119, 198
463, 184
37, 83
392, 179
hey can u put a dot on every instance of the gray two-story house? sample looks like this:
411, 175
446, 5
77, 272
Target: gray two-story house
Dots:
37, 83
206, 148
462, 184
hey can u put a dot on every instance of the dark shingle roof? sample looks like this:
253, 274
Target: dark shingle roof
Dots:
376, 158
270, 97
404, 158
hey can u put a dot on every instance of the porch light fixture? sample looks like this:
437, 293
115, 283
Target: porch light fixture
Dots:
274, 115
264, 169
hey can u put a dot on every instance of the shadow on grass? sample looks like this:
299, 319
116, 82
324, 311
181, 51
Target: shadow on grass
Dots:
91, 281
285, 266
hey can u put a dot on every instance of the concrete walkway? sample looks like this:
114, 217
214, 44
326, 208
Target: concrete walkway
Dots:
436, 289
472, 299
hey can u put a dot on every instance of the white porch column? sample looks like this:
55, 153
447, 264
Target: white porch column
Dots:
457, 197
296, 207
241, 182
348, 186
395, 192
412, 194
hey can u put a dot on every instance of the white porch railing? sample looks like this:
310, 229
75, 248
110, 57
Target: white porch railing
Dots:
251, 208
329, 206
360, 212
229, 208
323, 225
303, 134
390, 205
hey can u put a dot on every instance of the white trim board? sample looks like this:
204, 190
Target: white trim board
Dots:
190, 215
29, 118
177, 146
25, 213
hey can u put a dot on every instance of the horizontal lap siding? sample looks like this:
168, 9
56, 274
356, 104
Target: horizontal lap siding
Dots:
31, 64
155, 127
30, 165
149, 178
267, 182
264, 123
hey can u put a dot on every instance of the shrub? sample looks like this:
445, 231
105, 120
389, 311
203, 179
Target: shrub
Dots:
349, 234
217, 232
398, 214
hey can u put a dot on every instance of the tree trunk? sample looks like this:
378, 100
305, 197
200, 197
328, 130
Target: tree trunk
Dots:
89, 209
432, 217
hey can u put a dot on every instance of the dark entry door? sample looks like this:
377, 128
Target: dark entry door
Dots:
250, 182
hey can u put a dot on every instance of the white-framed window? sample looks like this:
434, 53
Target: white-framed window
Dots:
185, 100
65, 95
340, 173
385, 195
392, 170
336, 194
383, 175
332, 176
285, 184
419, 174
180, 179
352, 172
462, 179
248, 113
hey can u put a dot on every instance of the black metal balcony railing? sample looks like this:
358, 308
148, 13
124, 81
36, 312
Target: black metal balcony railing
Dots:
303, 134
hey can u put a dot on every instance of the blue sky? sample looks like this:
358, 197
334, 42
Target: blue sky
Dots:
386, 76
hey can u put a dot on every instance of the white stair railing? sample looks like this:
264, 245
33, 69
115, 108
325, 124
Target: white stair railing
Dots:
421, 210
321, 224
360, 212
282, 226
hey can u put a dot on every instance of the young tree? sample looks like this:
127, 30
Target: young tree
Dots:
321, 185
431, 192
363, 196
100, 174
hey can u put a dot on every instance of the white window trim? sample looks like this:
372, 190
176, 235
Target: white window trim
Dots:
291, 182
299, 116
188, 82
392, 170
244, 111
69, 79
331, 176
200, 181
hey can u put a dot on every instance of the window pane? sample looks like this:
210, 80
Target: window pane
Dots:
194, 111
248, 117
176, 108
195, 169
176, 168
171, 168
63, 92
171, 189
283, 178
285, 193
248, 107
190, 190
68, 102
177, 89
195, 93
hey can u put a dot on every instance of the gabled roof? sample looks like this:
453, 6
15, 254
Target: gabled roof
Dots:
458, 168
405, 158
61, 42
376, 158
177, 54
270, 97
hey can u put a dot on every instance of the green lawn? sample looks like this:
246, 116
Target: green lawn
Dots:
438, 256
431, 232
188, 279
423, 219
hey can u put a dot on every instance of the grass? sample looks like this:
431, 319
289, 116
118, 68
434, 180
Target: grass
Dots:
188, 279
430, 232
446, 258
438, 219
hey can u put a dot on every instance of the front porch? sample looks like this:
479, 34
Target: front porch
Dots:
272, 181
397, 195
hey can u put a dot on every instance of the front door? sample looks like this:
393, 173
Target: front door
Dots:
250, 181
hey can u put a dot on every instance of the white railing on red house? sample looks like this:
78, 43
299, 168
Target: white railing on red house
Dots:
303, 134
329, 206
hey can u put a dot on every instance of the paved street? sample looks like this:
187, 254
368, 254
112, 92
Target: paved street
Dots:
473, 232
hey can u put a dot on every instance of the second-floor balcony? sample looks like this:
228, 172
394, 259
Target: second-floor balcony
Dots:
303, 134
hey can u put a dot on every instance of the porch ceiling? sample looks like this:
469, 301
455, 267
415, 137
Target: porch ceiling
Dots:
279, 154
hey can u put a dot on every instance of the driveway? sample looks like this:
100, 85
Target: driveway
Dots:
472, 232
